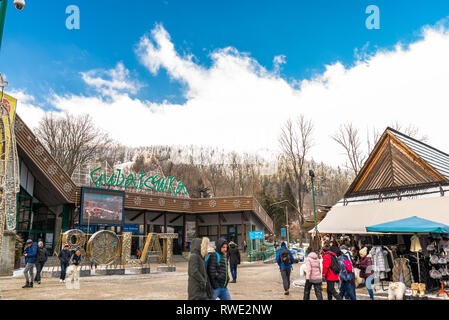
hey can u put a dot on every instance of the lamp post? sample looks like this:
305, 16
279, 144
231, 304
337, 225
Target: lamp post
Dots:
312, 176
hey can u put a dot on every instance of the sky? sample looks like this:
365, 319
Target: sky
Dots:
228, 74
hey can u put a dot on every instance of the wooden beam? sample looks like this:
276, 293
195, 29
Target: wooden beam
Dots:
219, 226
242, 232
157, 217
174, 219
196, 226
137, 215
145, 227
184, 232
165, 222
222, 217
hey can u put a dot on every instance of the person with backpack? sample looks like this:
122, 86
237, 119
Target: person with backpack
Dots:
217, 270
284, 259
198, 287
234, 260
41, 258
351, 286
346, 277
331, 270
30, 260
313, 275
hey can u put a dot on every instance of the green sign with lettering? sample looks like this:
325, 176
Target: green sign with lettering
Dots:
142, 181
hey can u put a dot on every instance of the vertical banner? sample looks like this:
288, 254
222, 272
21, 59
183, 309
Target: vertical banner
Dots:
9, 169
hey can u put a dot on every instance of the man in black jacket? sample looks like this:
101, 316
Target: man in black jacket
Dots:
41, 258
64, 258
197, 287
217, 270
234, 260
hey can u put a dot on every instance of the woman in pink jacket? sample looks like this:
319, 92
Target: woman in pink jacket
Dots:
313, 275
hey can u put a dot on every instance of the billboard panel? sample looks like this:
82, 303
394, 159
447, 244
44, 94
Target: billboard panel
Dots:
100, 206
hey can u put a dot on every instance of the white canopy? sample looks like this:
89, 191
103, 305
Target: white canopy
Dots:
352, 219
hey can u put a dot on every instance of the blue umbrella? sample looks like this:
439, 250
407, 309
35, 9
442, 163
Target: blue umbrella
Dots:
409, 225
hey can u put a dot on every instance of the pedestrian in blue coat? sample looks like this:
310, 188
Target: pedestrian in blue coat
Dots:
284, 258
30, 261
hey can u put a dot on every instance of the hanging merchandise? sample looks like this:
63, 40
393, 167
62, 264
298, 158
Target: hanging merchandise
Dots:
435, 274
402, 272
415, 244
434, 259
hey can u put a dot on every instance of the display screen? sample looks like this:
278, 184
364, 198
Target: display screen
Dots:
102, 206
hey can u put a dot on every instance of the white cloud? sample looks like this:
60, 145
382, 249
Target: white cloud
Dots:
119, 80
238, 104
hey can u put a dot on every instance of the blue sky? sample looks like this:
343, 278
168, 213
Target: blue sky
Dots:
40, 54
41, 57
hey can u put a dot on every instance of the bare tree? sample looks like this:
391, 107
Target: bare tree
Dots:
348, 137
410, 130
296, 141
71, 140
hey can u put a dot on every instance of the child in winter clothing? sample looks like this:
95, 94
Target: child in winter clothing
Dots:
328, 275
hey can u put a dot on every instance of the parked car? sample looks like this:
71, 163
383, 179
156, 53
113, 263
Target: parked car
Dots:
298, 254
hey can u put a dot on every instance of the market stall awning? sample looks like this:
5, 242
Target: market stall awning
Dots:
408, 225
353, 219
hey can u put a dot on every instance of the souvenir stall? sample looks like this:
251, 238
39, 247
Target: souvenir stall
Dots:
427, 260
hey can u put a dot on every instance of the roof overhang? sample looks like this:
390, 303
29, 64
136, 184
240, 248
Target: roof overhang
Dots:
353, 219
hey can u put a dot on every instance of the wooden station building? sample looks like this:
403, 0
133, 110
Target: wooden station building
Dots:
49, 203
401, 178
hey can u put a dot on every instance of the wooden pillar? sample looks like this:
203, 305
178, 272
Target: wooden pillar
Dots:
242, 231
219, 226
196, 226
145, 227
165, 222
184, 232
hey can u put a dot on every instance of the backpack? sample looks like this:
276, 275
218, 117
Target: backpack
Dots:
345, 268
285, 257
218, 258
335, 267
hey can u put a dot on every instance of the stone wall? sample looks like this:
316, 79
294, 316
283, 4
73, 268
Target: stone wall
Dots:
7, 253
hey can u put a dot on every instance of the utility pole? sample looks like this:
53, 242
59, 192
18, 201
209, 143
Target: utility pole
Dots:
312, 176
288, 227
3, 5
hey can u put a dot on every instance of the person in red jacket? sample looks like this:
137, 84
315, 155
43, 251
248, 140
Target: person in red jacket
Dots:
329, 276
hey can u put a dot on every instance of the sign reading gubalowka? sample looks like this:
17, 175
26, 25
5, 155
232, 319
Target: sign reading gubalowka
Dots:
149, 182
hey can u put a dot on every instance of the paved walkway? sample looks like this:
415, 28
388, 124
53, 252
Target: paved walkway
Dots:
256, 281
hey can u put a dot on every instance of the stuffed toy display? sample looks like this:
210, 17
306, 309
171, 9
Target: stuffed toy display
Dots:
396, 291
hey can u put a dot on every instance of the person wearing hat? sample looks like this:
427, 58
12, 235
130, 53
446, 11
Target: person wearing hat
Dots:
284, 258
42, 256
75, 261
366, 270
234, 260
30, 260
64, 259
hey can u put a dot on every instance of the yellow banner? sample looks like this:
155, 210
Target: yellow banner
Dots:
10, 105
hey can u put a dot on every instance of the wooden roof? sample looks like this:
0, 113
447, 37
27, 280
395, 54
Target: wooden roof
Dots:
399, 161
59, 188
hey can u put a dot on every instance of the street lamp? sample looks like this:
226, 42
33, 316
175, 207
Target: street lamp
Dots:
312, 176
286, 216
19, 4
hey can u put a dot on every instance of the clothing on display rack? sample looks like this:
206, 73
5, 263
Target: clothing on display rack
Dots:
402, 271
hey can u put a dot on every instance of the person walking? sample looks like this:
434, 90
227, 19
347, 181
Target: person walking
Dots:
75, 262
330, 272
64, 258
30, 261
284, 259
217, 270
350, 286
41, 258
313, 275
346, 277
198, 287
366, 270
234, 260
